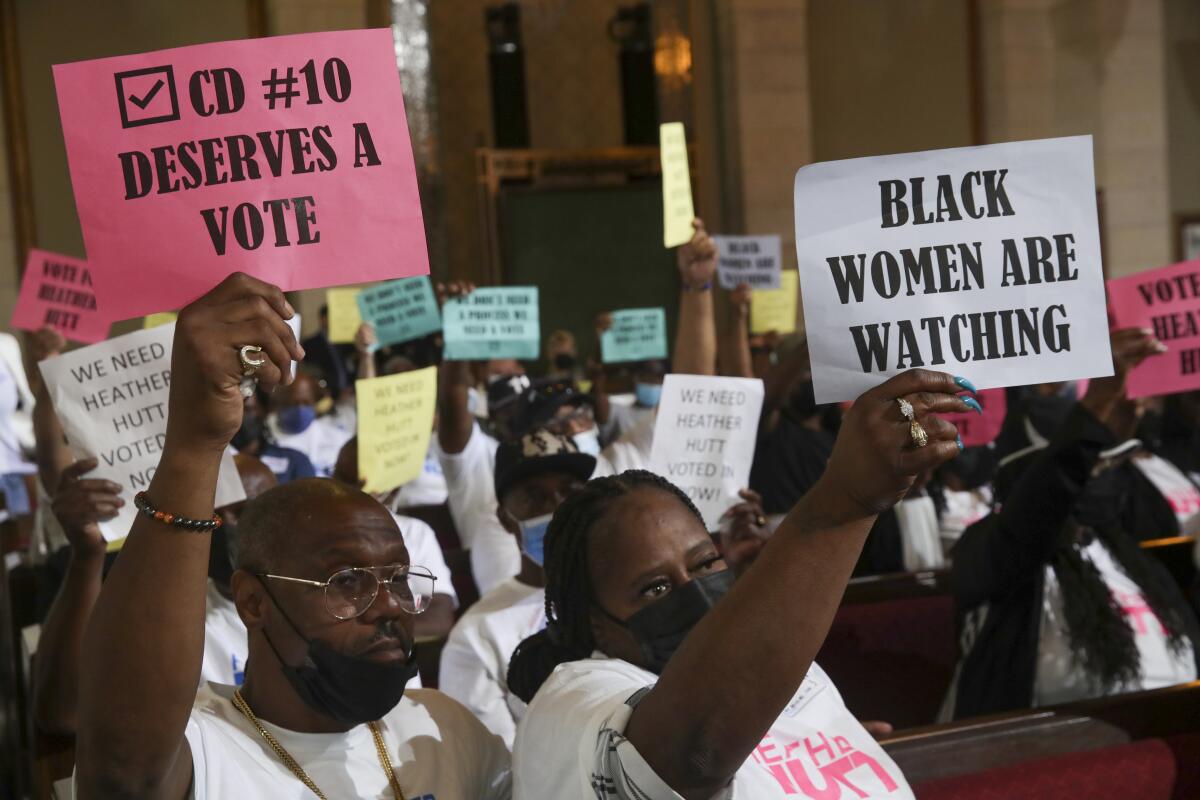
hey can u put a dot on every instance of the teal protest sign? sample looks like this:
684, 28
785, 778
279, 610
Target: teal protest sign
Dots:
637, 334
400, 310
494, 322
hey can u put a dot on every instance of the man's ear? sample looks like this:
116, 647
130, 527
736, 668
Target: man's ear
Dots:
249, 597
508, 521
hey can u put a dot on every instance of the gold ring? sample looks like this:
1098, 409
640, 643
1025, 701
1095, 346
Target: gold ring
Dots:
919, 437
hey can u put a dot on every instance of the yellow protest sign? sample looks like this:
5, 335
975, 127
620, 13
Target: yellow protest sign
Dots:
676, 185
775, 309
344, 316
395, 419
161, 318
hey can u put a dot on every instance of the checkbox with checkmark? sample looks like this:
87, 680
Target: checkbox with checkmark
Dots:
147, 96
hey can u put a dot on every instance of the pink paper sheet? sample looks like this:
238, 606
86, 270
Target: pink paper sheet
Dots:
975, 429
198, 122
57, 292
1166, 301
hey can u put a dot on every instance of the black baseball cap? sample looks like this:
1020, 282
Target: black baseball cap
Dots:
542, 400
506, 389
537, 452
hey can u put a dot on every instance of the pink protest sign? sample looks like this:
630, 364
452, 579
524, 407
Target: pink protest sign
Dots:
57, 292
980, 429
1166, 301
288, 158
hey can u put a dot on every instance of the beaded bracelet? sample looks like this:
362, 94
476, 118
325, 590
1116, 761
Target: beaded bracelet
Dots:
143, 505
704, 287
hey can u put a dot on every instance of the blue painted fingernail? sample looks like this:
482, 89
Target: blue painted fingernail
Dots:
965, 385
958, 441
973, 404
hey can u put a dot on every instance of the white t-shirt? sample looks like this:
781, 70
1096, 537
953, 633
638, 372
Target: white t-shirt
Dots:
1179, 492
225, 644
12, 459
427, 489
474, 668
1061, 679
624, 414
632, 449
438, 751
471, 487
920, 537
321, 442
470, 480
571, 739
424, 551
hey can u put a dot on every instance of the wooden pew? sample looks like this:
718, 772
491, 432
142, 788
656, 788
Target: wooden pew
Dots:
896, 586
891, 649
1177, 554
974, 745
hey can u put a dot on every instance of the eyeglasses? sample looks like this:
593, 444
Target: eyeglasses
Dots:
350, 592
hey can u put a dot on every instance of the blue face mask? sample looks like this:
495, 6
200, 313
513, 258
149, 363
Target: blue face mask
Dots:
648, 394
533, 537
296, 419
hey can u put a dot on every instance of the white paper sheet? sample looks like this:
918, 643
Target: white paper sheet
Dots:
1038, 194
112, 401
704, 438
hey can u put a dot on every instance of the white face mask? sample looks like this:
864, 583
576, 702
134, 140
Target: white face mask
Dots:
588, 442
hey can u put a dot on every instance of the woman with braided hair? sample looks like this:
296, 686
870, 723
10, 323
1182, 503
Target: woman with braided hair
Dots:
1056, 600
658, 677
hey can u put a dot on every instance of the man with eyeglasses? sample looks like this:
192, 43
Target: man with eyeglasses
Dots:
325, 587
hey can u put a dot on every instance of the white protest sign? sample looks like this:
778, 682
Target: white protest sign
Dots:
112, 401
704, 438
752, 260
979, 261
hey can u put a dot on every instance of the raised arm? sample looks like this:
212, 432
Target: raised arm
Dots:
79, 503
454, 424
51, 451
696, 333
598, 373
143, 647
735, 360
759, 641
364, 340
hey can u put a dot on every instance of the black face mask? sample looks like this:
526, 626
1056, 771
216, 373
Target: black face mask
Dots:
250, 432
348, 689
564, 361
661, 627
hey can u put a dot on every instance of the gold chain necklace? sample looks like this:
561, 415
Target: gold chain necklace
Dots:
240, 704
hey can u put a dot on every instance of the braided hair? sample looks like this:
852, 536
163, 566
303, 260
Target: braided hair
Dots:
569, 596
1096, 626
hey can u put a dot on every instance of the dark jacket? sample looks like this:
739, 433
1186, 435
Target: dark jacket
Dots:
999, 572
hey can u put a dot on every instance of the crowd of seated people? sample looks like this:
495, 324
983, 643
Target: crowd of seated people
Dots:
618, 645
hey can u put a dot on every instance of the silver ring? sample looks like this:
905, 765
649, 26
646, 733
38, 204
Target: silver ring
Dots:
250, 365
919, 436
906, 409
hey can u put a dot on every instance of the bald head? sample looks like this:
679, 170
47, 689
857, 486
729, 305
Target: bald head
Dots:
295, 528
256, 477
345, 469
